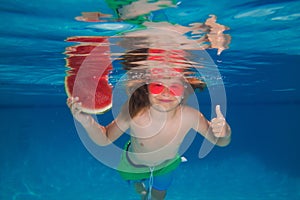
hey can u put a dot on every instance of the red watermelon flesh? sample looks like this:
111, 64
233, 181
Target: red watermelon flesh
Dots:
87, 78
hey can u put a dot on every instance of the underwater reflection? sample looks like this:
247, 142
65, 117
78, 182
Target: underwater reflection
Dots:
134, 11
164, 35
152, 44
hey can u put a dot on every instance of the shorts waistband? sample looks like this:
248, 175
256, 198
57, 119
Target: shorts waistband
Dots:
129, 160
141, 165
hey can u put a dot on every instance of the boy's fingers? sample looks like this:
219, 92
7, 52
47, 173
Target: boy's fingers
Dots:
218, 112
72, 100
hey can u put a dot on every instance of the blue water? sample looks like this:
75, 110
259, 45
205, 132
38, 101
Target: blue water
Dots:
42, 157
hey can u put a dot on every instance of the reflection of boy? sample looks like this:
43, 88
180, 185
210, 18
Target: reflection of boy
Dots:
158, 121
138, 11
92, 17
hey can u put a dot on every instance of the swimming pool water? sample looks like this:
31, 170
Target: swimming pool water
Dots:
42, 157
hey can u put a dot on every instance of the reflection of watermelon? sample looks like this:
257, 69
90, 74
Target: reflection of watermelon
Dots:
89, 65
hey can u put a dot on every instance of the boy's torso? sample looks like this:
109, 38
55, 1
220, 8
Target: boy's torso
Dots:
156, 140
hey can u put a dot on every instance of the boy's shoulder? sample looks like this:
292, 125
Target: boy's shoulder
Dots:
190, 111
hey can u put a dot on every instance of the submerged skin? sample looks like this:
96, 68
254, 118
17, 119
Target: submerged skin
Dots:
157, 131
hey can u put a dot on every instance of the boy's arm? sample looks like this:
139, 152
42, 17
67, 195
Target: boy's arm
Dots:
217, 131
101, 135
105, 135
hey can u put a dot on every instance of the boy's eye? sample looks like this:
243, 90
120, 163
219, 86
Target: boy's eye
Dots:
156, 88
176, 89
158, 85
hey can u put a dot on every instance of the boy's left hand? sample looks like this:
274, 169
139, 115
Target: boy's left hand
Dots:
218, 124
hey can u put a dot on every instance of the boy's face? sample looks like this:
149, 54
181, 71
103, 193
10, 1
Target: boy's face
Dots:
166, 94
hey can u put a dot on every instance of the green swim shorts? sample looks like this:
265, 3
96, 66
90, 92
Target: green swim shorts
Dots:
131, 171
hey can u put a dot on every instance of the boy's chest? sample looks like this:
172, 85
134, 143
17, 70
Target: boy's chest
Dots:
157, 129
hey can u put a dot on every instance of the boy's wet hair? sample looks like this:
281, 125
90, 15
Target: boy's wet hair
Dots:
137, 80
131, 59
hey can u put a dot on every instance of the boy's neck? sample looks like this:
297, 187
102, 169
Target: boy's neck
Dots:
157, 113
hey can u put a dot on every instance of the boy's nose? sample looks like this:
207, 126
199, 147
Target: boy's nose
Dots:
166, 91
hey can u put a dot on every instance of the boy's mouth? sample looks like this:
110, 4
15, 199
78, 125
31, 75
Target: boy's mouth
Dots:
165, 100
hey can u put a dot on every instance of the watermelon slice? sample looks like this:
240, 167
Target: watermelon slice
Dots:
89, 65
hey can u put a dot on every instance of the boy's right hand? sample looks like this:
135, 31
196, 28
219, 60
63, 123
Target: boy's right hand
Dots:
75, 106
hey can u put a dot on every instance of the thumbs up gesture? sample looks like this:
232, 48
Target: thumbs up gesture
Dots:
218, 124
